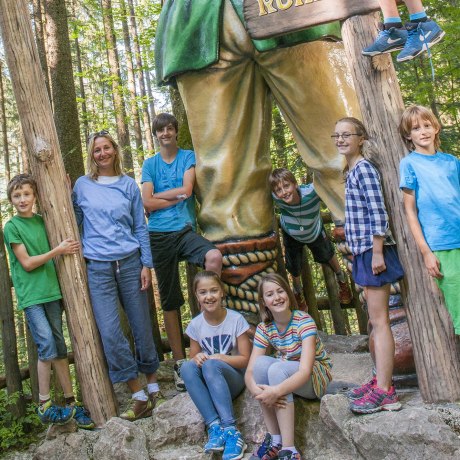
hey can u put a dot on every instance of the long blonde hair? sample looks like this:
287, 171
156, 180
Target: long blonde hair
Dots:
91, 165
264, 313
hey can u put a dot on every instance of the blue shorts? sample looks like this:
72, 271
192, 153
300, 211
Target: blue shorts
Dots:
45, 324
362, 268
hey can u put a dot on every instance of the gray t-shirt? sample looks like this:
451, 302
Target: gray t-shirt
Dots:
221, 338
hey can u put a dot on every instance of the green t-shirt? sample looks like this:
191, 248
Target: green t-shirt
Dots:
41, 284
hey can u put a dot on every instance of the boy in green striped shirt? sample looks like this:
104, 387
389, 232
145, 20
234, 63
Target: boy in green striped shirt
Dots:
301, 226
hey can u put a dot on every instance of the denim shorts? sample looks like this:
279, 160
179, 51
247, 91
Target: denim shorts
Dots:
45, 324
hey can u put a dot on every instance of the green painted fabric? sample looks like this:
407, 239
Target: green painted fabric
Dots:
187, 36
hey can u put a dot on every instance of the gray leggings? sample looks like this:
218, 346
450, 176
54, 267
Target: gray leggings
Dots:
272, 371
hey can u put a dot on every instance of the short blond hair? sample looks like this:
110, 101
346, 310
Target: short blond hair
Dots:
91, 165
410, 117
280, 174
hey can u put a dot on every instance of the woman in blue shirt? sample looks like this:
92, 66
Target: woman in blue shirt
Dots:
115, 242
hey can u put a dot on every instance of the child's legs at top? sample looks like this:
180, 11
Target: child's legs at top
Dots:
450, 283
390, 9
225, 383
293, 252
103, 291
135, 304
45, 324
165, 254
384, 346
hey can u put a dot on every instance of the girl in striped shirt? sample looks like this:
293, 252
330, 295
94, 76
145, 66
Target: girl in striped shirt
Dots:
299, 365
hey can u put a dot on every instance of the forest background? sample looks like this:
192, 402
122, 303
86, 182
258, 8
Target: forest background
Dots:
97, 58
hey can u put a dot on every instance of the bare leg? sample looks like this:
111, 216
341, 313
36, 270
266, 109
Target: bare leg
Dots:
414, 6
285, 417
44, 376
270, 419
134, 385
389, 8
151, 378
213, 261
172, 327
384, 345
63, 374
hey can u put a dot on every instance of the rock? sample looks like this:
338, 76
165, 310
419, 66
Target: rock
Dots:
75, 446
345, 343
121, 440
55, 430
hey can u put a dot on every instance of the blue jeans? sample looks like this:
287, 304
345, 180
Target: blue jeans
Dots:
45, 324
272, 371
212, 388
108, 282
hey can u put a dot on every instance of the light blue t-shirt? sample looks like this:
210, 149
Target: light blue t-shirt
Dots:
165, 176
436, 182
113, 220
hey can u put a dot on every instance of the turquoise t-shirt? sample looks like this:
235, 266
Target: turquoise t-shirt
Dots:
436, 182
166, 176
41, 284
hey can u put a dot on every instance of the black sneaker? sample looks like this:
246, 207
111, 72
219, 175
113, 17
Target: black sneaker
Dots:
178, 382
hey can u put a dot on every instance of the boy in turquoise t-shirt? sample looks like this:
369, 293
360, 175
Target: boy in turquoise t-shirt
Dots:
38, 294
430, 181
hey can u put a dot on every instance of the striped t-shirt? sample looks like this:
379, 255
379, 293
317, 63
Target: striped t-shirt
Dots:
288, 346
301, 221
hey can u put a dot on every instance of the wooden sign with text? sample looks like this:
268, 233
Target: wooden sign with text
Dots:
269, 18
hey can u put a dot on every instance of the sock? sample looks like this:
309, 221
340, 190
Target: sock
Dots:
69, 399
418, 17
276, 439
43, 399
153, 387
340, 276
140, 396
291, 448
392, 22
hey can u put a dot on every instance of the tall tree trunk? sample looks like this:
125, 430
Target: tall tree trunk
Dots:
117, 86
437, 358
6, 152
39, 27
184, 138
151, 106
47, 167
9, 345
63, 87
132, 84
140, 72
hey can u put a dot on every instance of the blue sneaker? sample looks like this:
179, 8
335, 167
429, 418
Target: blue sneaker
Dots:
234, 445
216, 439
387, 41
49, 413
421, 36
82, 417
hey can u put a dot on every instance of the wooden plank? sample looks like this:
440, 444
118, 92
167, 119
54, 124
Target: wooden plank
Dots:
269, 18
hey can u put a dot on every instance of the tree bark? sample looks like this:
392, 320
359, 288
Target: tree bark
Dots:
184, 138
9, 344
117, 87
333, 295
63, 93
309, 290
436, 356
32, 361
132, 84
141, 78
48, 169
39, 27
6, 152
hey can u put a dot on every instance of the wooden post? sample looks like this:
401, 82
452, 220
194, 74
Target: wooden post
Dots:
47, 167
309, 290
436, 356
333, 294
191, 270
10, 351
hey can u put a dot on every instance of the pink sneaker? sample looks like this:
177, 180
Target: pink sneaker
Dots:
358, 393
375, 401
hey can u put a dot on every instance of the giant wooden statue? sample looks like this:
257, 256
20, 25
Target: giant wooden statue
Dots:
227, 81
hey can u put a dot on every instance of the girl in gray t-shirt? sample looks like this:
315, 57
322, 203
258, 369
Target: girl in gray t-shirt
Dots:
214, 375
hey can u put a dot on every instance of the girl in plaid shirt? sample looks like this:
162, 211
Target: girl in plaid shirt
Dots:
375, 260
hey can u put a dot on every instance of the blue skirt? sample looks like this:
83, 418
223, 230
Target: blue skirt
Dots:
362, 268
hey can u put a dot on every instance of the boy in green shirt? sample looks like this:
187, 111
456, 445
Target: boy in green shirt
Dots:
38, 293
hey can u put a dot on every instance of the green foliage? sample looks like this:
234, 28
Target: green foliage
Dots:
17, 432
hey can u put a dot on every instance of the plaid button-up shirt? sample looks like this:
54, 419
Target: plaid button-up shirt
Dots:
365, 213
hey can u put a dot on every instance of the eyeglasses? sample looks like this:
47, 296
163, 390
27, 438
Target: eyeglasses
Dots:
93, 135
344, 136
